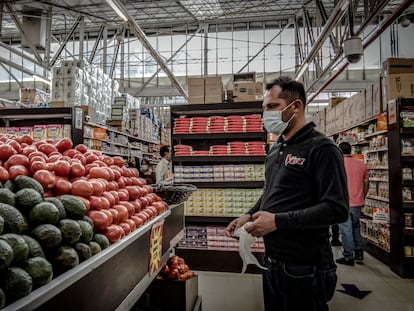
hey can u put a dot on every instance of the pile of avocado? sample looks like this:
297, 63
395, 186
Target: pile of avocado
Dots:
40, 238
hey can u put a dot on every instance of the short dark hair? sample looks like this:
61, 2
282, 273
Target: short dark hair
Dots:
145, 161
291, 89
164, 150
345, 147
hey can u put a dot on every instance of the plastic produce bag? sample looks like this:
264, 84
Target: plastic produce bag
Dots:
246, 241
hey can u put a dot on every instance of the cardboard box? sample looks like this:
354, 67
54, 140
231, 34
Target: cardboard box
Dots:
247, 91
368, 101
195, 87
335, 101
377, 98
397, 65
398, 86
244, 77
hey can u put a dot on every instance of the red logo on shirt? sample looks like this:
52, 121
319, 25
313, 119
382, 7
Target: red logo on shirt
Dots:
292, 160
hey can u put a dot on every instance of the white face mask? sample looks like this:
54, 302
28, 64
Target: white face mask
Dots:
273, 122
144, 167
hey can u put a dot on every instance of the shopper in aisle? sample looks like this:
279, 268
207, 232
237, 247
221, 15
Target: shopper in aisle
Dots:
305, 192
357, 175
163, 171
146, 172
133, 162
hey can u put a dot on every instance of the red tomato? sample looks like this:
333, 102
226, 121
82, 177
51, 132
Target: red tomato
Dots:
89, 166
28, 150
63, 186
123, 195
137, 205
131, 224
15, 145
4, 175
126, 227
110, 172
144, 202
105, 203
108, 160
119, 161
159, 206
129, 206
37, 154
70, 153
138, 220
114, 185
146, 213
55, 153
91, 158
143, 217
115, 215
17, 159
100, 219
54, 158
62, 168
100, 163
153, 210
82, 188
99, 172
96, 203
133, 192
81, 148
121, 182
109, 197
123, 212
27, 139
77, 170
47, 148
64, 144
17, 170
116, 196
45, 178
38, 165
109, 214
98, 187
114, 233
81, 158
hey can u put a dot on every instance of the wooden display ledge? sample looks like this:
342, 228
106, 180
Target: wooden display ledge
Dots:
114, 279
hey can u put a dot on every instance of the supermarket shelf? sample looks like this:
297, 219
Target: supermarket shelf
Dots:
209, 219
215, 136
111, 129
230, 158
228, 184
408, 204
407, 158
218, 109
408, 182
217, 260
62, 289
378, 198
407, 131
382, 149
378, 168
114, 153
108, 142
409, 231
378, 179
36, 113
376, 134
361, 143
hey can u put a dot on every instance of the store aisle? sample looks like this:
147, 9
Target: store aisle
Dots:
232, 291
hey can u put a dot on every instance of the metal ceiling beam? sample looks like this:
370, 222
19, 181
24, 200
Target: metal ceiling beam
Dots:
379, 30
139, 33
12, 75
115, 57
290, 23
95, 45
48, 37
22, 32
372, 15
336, 15
168, 60
62, 46
1, 15
324, 17
21, 54
21, 68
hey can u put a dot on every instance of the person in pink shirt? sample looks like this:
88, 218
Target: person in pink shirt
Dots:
357, 180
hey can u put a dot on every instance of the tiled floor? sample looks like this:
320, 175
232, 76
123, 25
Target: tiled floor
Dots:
243, 292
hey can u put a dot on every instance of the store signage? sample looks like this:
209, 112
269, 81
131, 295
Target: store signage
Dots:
392, 112
156, 246
380, 215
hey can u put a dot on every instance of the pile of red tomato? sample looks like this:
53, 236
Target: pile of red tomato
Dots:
175, 269
116, 199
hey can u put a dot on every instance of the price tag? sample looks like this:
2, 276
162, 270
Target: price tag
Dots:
155, 246
78, 118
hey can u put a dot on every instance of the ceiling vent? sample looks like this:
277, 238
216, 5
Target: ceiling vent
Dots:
35, 28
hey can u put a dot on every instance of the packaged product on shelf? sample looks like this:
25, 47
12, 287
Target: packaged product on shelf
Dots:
26, 130
407, 118
39, 132
55, 131
11, 130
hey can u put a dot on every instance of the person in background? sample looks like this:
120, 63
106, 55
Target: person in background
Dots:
146, 172
304, 193
133, 162
163, 171
357, 175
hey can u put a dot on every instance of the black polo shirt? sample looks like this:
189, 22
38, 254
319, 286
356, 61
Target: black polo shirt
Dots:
305, 187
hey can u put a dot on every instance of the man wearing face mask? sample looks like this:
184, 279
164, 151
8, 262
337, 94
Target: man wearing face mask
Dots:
305, 192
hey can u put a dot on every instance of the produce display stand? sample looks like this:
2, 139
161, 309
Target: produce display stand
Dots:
111, 280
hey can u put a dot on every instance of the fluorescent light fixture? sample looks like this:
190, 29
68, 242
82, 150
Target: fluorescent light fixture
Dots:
114, 6
203, 9
302, 70
41, 79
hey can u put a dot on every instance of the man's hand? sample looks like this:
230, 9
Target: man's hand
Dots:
237, 223
263, 223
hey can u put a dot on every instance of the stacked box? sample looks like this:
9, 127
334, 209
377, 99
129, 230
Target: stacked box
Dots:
247, 91
398, 74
